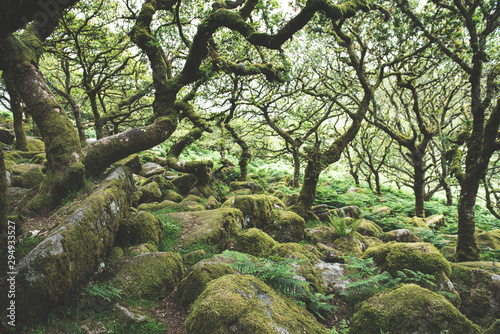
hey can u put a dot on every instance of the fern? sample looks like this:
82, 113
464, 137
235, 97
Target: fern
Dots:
410, 276
106, 291
343, 328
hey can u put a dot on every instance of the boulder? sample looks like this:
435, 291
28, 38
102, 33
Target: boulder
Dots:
416, 222
50, 271
291, 199
381, 210
255, 242
322, 234
149, 275
149, 169
351, 211
150, 193
256, 209
141, 227
192, 198
245, 304
435, 221
489, 239
155, 206
401, 235
331, 274
286, 226
163, 183
479, 292
253, 186
368, 228
420, 256
186, 206
185, 182
7, 136
172, 195
410, 309
219, 227
212, 203
322, 212
199, 276
133, 162
29, 179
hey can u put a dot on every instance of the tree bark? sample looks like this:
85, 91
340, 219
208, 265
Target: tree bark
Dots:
245, 155
418, 183
296, 168
17, 111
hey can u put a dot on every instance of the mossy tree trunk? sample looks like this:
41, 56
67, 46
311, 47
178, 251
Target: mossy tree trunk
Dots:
245, 155
19, 63
17, 111
296, 168
418, 182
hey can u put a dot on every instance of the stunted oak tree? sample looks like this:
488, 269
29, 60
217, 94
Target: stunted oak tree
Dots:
467, 33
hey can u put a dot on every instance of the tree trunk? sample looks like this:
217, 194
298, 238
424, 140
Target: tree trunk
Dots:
418, 184
97, 117
15, 107
467, 248
308, 190
296, 168
376, 174
65, 172
245, 152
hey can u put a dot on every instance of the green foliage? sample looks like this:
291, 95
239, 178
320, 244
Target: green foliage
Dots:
5, 114
367, 281
171, 229
27, 244
105, 291
279, 273
148, 327
343, 328
432, 237
343, 229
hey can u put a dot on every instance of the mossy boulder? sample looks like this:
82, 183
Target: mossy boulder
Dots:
142, 249
286, 226
479, 292
172, 195
163, 183
193, 198
155, 206
245, 304
202, 273
219, 227
35, 145
322, 212
149, 275
416, 222
291, 199
350, 244
322, 234
410, 309
256, 209
329, 254
185, 182
493, 329
150, 168
489, 239
255, 242
150, 193
400, 235
368, 228
33, 177
306, 260
435, 221
7, 136
420, 256
50, 271
253, 186
185, 206
139, 228
212, 203
133, 162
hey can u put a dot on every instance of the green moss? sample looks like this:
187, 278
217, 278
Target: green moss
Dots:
155, 206
480, 293
286, 226
186, 206
410, 309
172, 195
30, 179
418, 256
150, 193
255, 242
149, 275
417, 222
193, 198
35, 145
200, 275
489, 239
219, 227
57, 264
368, 228
321, 234
349, 245
244, 304
256, 209
254, 187
139, 228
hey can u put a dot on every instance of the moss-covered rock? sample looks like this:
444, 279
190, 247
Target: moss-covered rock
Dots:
435, 221
150, 193
329, 254
35, 145
199, 276
219, 227
410, 309
63, 259
256, 209
307, 258
351, 211
163, 183
416, 222
141, 249
493, 329
193, 198
322, 234
291, 199
150, 168
255, 242
212, 203
172, 195
381, 210
33, 177
186, 206
245, 304
368, 228
133, 162
479, 292
423, 257
7, 136
351, 245
401, 235
185, 182
139, 228
286, 226
149, 275
322, 212
489, 239
155, 206
253, 186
